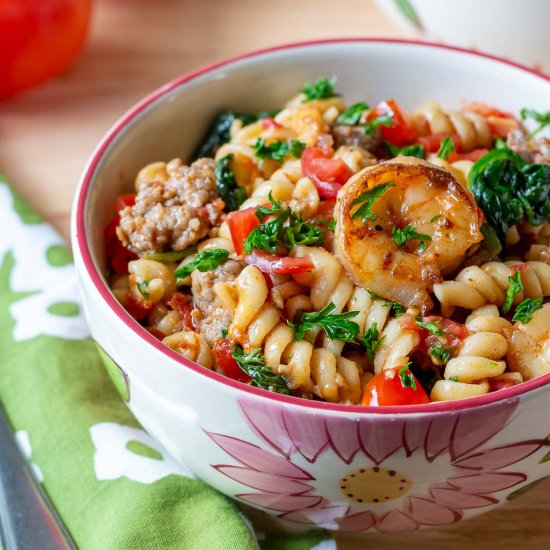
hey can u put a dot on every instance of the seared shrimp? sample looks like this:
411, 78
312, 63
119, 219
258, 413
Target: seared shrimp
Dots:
425, 201
529, 345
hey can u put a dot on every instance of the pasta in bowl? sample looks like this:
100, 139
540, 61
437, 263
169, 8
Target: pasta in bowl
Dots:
412, 287
356, 258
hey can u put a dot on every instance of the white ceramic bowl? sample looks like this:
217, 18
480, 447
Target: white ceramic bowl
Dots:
342, 467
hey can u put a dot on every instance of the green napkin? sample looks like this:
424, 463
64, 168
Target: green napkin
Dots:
111, 483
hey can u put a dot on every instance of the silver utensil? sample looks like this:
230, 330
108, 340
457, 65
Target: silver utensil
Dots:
28, 520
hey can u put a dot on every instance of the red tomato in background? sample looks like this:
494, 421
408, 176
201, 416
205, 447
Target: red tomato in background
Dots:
39, 39
400, 132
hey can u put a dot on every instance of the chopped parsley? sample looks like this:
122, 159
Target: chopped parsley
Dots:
407, 377
322, 89
543, 119
408, 151
516, 286
435, 218
225, 332
142, 287
401, 236
431, 326
371, 341
398, 309
227, 186
454, 379
270, 235
438, 352
525, 311
382, 120
253, 364
336, 325
204, 261
446, 148
278, 150
330, 224
366, 201
352, 115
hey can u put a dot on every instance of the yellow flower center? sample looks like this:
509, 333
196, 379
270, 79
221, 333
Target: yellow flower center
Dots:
374, 485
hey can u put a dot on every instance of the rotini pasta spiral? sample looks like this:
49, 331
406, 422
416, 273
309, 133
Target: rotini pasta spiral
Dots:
472, 128
476, 286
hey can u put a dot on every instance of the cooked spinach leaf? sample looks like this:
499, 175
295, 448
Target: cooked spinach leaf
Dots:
229, 191
509, 190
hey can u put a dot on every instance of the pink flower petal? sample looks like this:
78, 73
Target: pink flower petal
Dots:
499, 457
428, 512
414, 434
486, 483
282, 503
357, 522
319, 516
438, 436
343, 437
478, 425
255, 457
263, 481
267, 421
307, 432
395, 521
457, 499
380, 438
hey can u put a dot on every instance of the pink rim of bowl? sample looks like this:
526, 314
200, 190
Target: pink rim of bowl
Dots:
125, 317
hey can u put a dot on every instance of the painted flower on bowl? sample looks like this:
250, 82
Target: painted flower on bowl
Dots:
356, 474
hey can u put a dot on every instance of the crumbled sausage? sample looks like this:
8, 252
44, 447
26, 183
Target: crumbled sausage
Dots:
531, 150
355, 136
212, 318
173, 214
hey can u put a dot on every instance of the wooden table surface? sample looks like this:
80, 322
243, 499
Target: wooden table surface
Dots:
134, 46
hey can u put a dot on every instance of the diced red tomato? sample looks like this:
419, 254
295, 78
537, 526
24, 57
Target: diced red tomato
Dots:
124, 200
184, 306
136, 307
388, 389
328, 174
451, 327
401, 132
474, 155
269, 123
223, 353
118, 255
325, 210
522, 268
241, 223
432, 143
496, 384
269, 263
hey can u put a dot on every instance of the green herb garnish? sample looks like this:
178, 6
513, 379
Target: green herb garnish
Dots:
371, 340
398, 309
366, 201
408, 151
225, 332
437, 351
435, 218
269, 236
322, 89
382, 120
431, 326
227, 186
526, 309
336, 325
142, 287
515, 287
330, 224
407, 377
401, 236
253, 364
278, 150
454, 379
446, 148
204, 261
352, 115
543, 119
